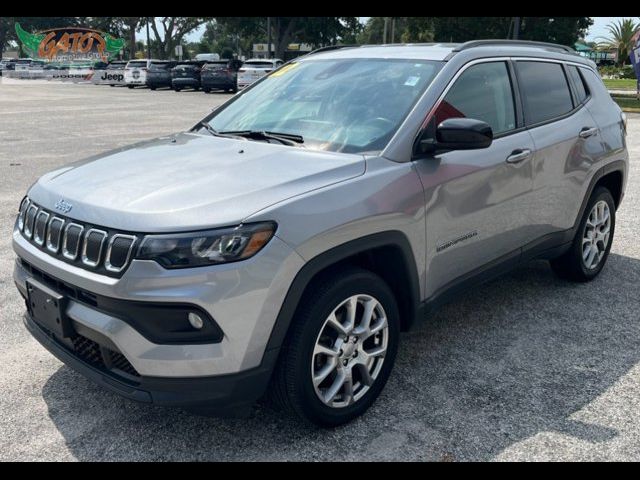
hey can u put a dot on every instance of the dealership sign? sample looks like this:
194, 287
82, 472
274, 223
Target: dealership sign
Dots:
69, 44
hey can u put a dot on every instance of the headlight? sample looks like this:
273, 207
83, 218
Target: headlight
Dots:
196, 249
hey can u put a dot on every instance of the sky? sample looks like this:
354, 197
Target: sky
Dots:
598, 29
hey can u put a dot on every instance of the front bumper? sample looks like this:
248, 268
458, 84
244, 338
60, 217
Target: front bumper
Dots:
243, 299
221, 394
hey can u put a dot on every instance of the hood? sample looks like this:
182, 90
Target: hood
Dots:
189, 182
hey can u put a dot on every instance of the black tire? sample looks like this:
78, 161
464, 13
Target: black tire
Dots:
571, 266
130, 86
206, 90
177, 89
292, 385
152, 88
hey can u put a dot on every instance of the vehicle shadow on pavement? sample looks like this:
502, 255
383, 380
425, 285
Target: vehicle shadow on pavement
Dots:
511, 359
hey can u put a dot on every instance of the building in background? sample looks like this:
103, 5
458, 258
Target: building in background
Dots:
600, 57
293, 50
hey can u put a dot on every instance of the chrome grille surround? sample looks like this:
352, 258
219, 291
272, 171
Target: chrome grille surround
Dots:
71, 255
42, 220
51, 246
76, 242
107, 261
30, 220
24, 205
85, 259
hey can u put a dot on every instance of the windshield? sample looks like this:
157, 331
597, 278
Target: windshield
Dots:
350, 105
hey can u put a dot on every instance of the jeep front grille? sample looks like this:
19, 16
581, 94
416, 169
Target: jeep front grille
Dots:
84, 245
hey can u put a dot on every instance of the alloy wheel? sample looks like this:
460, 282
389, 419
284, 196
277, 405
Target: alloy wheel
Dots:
350, 351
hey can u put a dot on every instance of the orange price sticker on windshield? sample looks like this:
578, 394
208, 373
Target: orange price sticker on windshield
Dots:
284, 70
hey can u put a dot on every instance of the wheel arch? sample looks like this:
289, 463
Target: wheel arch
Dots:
612, 175
387, 254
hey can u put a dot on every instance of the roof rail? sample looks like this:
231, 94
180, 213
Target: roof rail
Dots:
514, 43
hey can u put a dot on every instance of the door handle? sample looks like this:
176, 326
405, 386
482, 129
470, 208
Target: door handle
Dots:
587, 132
518, 156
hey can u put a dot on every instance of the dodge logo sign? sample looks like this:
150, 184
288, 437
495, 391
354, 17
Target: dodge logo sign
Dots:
63, 206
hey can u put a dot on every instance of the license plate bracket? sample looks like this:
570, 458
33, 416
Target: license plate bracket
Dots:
47, 308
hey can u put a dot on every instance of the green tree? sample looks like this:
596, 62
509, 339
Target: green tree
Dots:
399, 29
621, 38
317, 31
563, 30
169, 32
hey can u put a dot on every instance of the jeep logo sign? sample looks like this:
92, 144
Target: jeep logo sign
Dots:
64, 207
118, 77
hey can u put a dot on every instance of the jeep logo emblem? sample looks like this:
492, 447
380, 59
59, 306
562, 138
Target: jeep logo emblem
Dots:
64, 207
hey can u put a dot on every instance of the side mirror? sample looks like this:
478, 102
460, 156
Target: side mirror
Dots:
457, 134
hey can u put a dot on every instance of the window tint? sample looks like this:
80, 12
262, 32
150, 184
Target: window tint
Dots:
482, 92
544, 89
578, 82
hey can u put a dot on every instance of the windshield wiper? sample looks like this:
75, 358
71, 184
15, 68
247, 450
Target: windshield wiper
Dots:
214, 132
284, 138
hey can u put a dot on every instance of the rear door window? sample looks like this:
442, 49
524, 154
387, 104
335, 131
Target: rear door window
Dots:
544, 90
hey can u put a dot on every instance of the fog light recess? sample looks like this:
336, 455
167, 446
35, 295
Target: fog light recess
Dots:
196, 320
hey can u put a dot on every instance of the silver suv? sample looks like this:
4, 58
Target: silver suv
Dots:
281, 245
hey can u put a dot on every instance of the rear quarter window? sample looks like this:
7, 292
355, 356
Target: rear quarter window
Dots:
544, 90
582, 93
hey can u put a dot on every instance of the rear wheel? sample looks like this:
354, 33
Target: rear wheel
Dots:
130, 86
206, 90
340, 350
592, 243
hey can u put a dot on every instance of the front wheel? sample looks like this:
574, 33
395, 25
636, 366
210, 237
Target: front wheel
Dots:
340, 350
592, 242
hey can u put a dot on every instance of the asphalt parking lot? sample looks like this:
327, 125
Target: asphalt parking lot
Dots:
526, 367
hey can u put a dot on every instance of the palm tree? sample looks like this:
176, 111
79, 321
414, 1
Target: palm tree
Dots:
620, 39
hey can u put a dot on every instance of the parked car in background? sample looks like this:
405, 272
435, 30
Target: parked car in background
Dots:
220, 75
7, 64
36, 69
256, 68
207, 57
135, 72
159, 74
21, 68
186, 75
